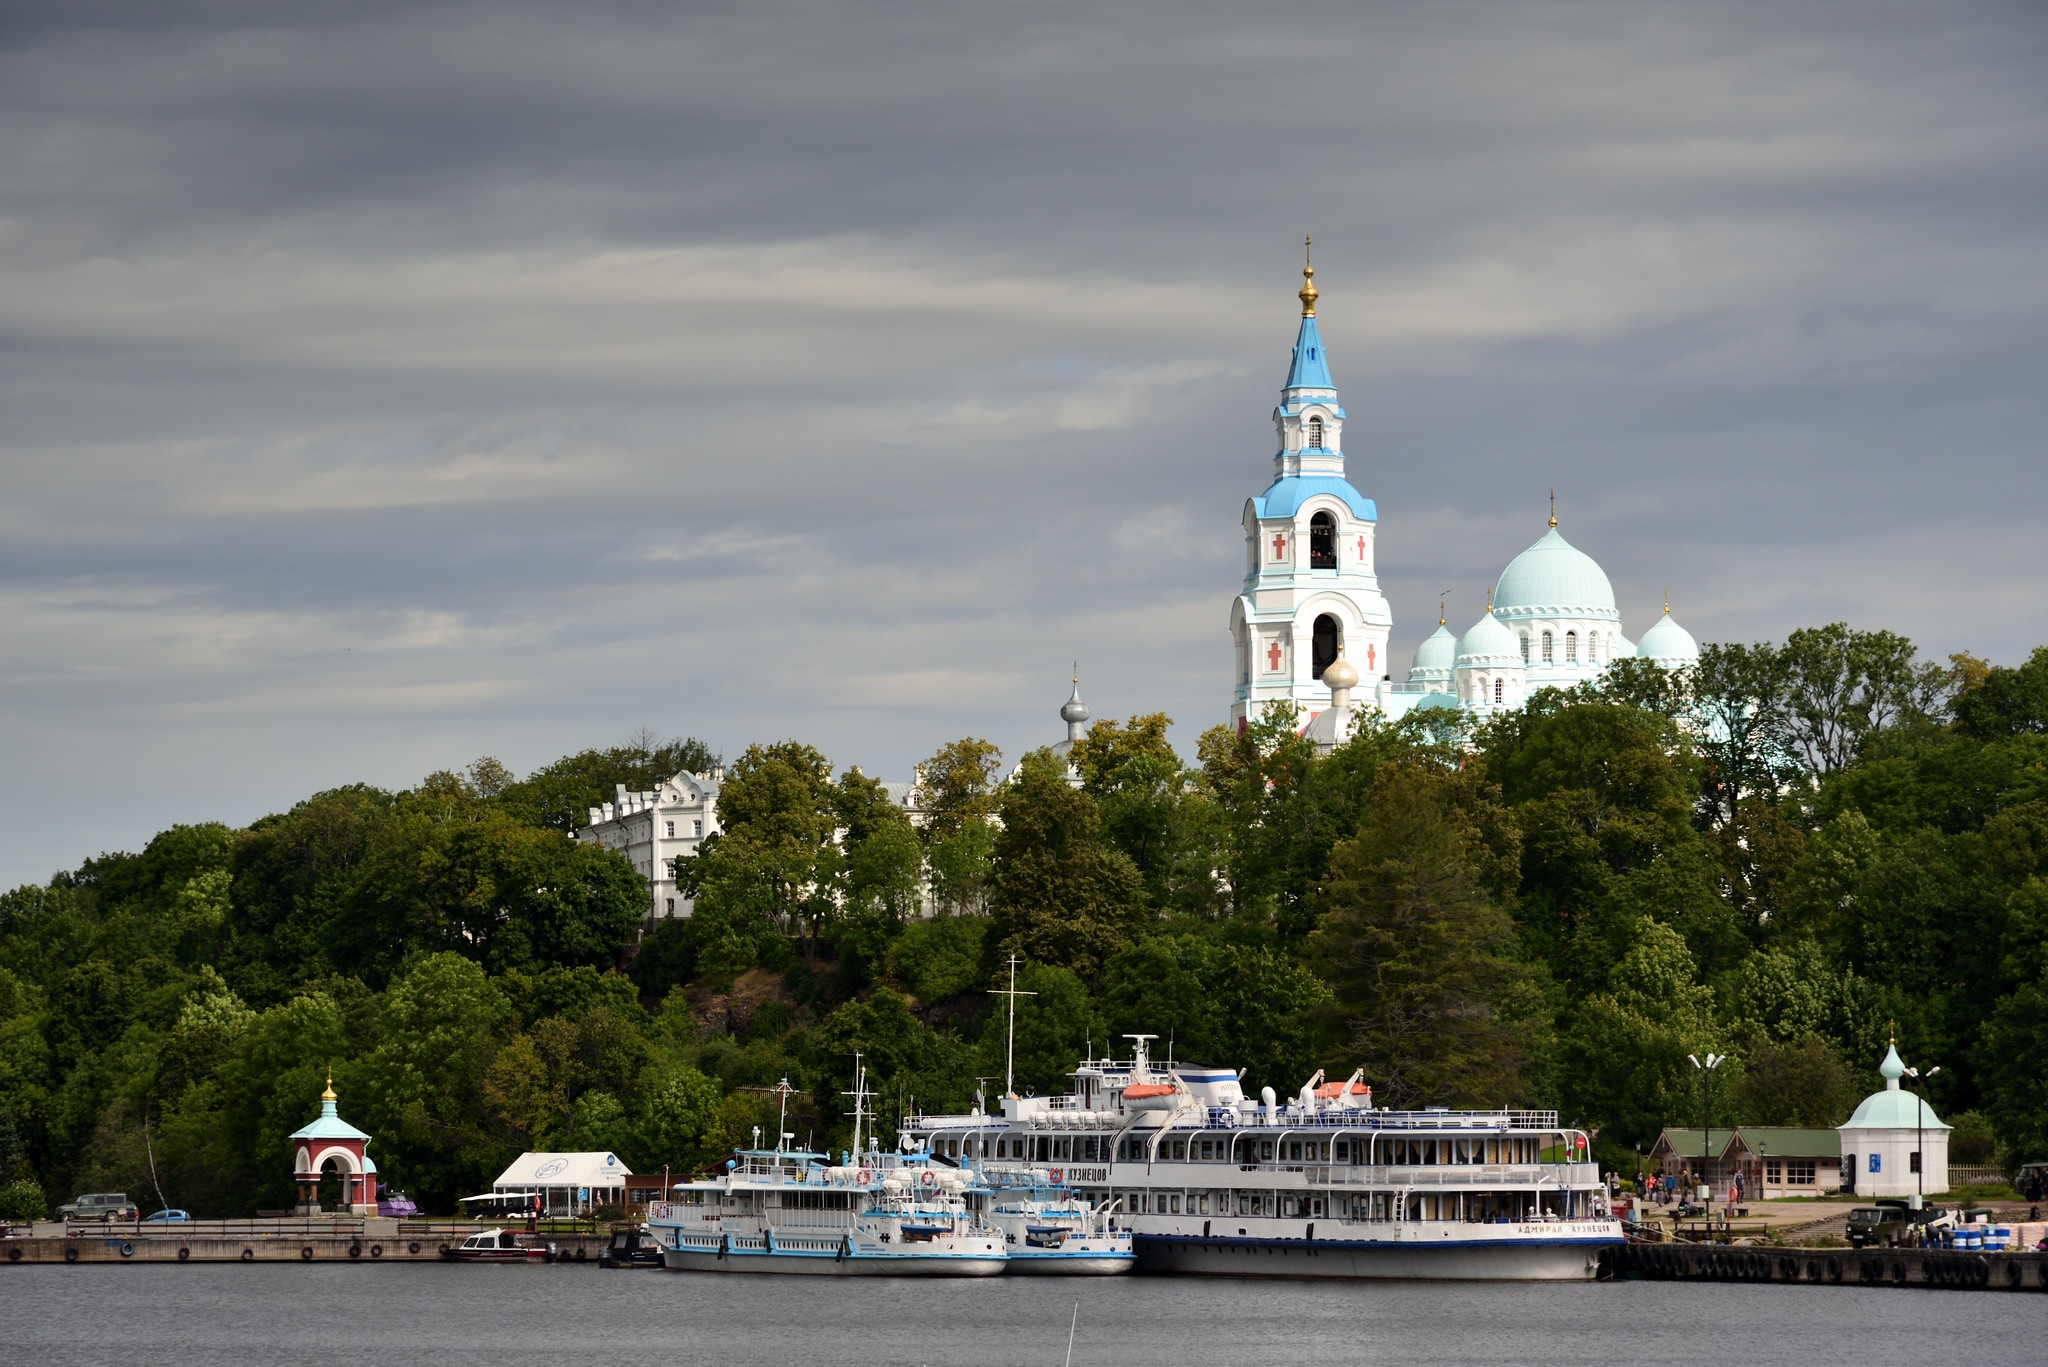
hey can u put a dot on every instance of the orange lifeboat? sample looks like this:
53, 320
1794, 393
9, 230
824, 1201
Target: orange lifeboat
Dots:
1149, 1096
1330, 1091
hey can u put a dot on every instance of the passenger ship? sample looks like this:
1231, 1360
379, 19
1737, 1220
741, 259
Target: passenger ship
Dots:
1325, 1185
792, 1211
1048, 1228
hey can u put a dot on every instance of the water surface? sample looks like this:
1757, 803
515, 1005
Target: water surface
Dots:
368, 1316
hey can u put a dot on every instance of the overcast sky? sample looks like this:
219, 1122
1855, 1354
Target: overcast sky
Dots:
389, 385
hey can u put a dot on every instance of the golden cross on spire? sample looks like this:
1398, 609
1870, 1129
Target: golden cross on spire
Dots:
1553, 507
1441, 619
1308, 279
328, 1095
1667, 602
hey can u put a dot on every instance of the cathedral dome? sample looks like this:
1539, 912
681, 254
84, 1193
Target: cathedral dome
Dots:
1669, 645
1437, 654
1489, 640
1554, 578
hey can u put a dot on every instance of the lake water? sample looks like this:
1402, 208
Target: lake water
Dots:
357, 1316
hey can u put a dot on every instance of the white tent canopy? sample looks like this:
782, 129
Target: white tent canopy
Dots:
566, 1183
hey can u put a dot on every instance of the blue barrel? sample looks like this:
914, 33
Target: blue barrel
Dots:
1969, 1239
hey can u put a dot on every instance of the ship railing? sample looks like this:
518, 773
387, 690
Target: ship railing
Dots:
1388, 1175
1249, 1117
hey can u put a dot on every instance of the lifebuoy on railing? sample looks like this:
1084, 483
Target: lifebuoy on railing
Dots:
866, 1176
927, 1178
1055, 1175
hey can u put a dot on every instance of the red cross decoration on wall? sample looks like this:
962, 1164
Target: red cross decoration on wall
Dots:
1361, 550
1273, 655
1370, 665
1279, 546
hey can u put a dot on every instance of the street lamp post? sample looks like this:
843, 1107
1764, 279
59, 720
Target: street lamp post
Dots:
1707, 1124
1920, 1137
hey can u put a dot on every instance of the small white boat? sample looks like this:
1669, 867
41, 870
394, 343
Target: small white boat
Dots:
1049, 1230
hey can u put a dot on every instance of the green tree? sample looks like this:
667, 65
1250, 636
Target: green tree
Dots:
1842, 687
2005, 702
1798, 1082
559, 796
1061, 896
1624, 1065
1419, 953
956, 787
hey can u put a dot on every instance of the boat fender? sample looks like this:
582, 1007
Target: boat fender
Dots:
306, 1254
248, 1255
13, 1255
183, 1254
127, 1250
413, 1247
376, 1250
355, 1248
582, 1254
71, 1254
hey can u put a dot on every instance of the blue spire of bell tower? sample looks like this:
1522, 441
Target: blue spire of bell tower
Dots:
1311, 369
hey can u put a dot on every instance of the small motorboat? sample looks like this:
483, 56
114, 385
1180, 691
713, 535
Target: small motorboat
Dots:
500, 1246
630, 1248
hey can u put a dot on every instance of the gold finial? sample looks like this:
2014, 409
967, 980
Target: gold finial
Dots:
1308, 279
1441, 619
1077, 673
1667, 602
329, 1095
1893, 1028
1489, 601
1553, 507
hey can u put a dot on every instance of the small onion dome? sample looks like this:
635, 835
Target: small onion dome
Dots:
1075, 711
1669, 645
1439, 652
1340, 673
1490, 641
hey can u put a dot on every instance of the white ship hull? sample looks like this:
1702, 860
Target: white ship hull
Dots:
815, 1256
1568, 1252
1070, 1264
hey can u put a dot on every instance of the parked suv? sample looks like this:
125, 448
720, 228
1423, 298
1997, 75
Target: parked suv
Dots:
106, 1206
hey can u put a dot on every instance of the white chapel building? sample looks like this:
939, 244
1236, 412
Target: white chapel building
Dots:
1311, 599
654, 829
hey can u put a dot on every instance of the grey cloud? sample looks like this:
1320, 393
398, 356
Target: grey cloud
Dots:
383, 385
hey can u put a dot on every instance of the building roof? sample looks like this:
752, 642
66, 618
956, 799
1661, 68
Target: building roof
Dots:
328, 1125
564, 1170
1893, 1108
1285, 495
1782, 1141
1490, 641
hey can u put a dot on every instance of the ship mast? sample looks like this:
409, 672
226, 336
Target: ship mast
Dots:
1010, 1042
859, 1095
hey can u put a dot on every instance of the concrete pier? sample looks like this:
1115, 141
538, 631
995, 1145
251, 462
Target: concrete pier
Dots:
1925, 1267
266, 1241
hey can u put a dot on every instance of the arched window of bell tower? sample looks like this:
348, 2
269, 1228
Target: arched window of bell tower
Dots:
1328, 635
1322, 542
1315, 432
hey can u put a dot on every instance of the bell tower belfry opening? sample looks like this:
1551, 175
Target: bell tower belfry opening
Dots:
1310, 592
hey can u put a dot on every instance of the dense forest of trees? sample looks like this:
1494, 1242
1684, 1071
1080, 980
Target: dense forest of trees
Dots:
1784, 856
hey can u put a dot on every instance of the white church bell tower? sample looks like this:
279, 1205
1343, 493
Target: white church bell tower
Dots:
1310, 592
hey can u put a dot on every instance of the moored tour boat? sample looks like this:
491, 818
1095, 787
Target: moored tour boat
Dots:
500, 1246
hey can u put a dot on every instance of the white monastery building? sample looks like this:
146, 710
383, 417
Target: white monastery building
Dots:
1311, 600
654, 829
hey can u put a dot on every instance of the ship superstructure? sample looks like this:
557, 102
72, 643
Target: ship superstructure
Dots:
1324, 1184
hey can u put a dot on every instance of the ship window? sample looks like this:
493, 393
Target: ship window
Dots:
1571, 647
1548, 655
1266, 1149
1322, 542
1327, 635
1315, 431
1343, 1152
1173, 1204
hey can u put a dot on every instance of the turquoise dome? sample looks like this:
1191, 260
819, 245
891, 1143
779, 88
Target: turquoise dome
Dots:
1894, 1108
1554, 578
1439, 652
1669, 644
1489, 639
